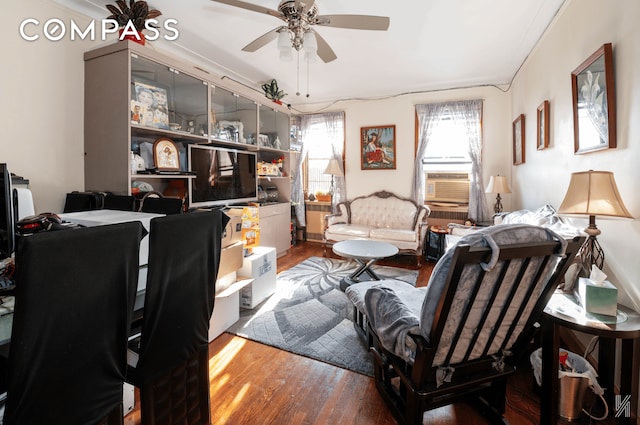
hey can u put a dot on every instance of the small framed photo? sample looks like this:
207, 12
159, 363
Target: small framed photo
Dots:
543, 125
165, 155
150, 105
594, 102
518, 140
378, 147
263, 140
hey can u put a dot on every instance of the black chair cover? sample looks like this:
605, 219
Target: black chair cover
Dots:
184, 255
120, 202
74, 296
161, 205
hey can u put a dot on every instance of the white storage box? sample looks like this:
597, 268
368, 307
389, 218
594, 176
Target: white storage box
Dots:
128, 399
226, 308
262, 267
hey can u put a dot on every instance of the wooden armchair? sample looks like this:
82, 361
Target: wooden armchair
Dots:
476, 319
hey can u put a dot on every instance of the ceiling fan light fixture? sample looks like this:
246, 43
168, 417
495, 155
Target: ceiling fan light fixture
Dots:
310, 46
284, 40
284, 45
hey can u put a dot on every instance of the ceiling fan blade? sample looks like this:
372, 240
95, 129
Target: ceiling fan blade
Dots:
325, 52
357, 22
261, 41
252, 7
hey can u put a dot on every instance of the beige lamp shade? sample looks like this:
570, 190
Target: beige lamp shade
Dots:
333, 168
498, 184
593, 193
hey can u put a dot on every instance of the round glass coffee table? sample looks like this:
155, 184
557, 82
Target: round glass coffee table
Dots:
365, 253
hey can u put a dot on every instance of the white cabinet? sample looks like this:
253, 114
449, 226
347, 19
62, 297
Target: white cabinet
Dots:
275, 227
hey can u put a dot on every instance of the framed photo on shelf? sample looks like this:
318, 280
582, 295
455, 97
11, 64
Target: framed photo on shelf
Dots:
543, 125
518, 140
165, 155
378, 147
150, 105
594, 102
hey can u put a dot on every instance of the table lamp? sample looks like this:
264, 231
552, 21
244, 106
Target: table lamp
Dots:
593, 193
498, 184
333, 168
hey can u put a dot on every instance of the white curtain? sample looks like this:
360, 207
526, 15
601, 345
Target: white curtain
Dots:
468, 115
428, 118
334, 123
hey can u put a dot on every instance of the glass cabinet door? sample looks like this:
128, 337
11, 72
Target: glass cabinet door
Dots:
233, 117
274, 128
166, 98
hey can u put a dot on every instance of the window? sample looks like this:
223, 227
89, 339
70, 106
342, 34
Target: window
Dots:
448, 149
318, 155
450, 143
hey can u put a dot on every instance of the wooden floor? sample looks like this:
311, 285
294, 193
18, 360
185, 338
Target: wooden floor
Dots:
255, 384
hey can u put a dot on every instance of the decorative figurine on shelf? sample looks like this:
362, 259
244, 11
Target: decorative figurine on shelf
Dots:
272, 92
132, 19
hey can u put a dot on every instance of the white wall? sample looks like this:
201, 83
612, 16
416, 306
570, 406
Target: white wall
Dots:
42, 104
580, 29
400, 111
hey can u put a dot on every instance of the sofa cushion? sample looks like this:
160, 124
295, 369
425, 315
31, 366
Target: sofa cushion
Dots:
393, 234
351, 230
390, 212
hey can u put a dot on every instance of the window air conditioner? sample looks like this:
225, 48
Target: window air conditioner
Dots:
447, 187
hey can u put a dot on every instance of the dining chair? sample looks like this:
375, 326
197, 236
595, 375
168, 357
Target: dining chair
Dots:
74, 296
170, 359
119, 202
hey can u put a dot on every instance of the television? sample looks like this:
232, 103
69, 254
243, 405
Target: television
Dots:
7, 214
222, 176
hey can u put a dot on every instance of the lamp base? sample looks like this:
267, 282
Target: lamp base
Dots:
591, 253
497, 208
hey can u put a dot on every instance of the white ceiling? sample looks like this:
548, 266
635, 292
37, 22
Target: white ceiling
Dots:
430, 44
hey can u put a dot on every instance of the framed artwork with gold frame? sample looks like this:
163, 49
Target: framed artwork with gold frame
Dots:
518, 140
378, 147
165, 155
543, 125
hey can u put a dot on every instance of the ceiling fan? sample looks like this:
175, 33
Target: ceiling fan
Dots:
299, 16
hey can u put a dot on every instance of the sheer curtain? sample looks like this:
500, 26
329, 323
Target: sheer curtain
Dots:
334, 122
334, 125
428, 118
468, 115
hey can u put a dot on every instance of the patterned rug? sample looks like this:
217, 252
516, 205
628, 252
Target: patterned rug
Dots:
309, 314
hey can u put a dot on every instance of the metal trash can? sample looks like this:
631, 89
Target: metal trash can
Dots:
572, 391
573, 384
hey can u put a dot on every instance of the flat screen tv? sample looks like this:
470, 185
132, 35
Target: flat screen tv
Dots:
222, 176
7, 214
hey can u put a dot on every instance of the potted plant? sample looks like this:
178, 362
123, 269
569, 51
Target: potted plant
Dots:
134, 16
323, 196
272, 92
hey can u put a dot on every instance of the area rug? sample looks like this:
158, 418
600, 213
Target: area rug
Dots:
309, 314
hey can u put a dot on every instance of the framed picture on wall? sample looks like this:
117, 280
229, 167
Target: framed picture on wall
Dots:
378, 147
543, 125
594, 102
518, 140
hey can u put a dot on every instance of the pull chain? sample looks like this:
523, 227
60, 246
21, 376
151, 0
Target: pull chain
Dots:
298, 73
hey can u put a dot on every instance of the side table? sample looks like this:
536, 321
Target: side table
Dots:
563, 310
